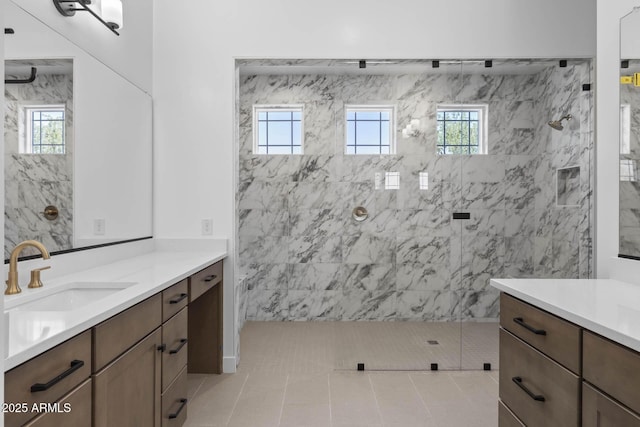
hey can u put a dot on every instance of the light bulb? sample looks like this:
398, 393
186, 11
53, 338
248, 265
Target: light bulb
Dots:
112, 13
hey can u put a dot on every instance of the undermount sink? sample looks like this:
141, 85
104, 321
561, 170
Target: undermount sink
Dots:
72, 296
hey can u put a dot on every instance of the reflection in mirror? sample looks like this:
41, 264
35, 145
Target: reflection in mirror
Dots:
39, 153
99, 178
630, 135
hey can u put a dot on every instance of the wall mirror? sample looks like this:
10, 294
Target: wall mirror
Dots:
78, 139
630, 135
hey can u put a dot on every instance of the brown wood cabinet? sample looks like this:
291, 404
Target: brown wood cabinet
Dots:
126, 393
131, 369
46, 378
205, 321
602, 390
73, 410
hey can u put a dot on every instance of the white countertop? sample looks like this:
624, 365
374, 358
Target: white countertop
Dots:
28, 333
607, 307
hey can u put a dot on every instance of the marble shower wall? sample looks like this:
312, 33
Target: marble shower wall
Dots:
33, 181
630, 189
302, 255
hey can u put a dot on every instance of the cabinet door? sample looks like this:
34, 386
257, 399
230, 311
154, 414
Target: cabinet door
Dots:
127, 392
600, 411
73, 410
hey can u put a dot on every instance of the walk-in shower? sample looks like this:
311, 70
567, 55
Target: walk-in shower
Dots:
470, 195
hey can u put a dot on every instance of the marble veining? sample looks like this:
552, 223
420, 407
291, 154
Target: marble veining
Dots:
305, 258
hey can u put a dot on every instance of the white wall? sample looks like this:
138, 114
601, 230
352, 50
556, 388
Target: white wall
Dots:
195, 47
608, 130
129, 54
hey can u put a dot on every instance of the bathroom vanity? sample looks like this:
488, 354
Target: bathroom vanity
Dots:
123, 358
569, 352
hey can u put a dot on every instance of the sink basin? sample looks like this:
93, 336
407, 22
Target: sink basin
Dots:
72, 296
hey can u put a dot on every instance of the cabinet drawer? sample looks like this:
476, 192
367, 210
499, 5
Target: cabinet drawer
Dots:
174, 402
506, 417
113, 336
74, 409
204, 280
71, 359
536, 389
600, 411
612, 368
175, 299
174, 340
557, 338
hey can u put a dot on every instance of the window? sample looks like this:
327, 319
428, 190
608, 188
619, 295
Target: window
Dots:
462, 129
45, 130
627, 170
370, 130
277, 129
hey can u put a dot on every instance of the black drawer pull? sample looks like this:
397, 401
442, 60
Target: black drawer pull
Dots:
537, 397
74, 366
162, 348
183, 341
183, 403
177, 300
210, 278
520, 321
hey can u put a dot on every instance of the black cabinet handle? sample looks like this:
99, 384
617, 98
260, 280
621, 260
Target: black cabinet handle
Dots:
520, 321
183, 341
183, 403
177, 300
162, 347
74, 366
210, 278
537, 397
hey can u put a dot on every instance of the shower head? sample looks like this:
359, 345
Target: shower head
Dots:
557, 124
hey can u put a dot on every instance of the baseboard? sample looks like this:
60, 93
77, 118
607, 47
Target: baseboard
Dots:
229, 365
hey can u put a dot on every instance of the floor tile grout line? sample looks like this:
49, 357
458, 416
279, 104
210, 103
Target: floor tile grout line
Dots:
419, 395
284, 397
375, 397
195, 393
235, 404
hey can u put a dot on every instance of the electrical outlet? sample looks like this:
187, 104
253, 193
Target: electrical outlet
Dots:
99, 227
207, 227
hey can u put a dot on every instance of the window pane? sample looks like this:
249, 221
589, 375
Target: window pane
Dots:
473, 115
464, 138
279, 115
279, 133
384, 149
351, 150
367, 115
464, 115
368, 133
368, 150
440, 129
297, 115
297, 150
52, 115
262, 115
262, 150
452, 133
474, 133
279, 150
262, 133
297, 133
384, 115
452, 115
351, 115
440, 115
384, 133
474, 150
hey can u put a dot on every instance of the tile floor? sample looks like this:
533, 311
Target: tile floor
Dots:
288, 376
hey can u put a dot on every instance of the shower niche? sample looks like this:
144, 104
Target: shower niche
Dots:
408, 288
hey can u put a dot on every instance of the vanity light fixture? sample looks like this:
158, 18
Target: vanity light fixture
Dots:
108, 12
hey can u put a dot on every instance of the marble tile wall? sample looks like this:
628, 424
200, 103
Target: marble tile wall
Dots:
304, 257
33, 181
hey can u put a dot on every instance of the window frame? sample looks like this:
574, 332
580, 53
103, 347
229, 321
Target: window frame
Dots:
390, 108
26, 145
483, 125
258, 108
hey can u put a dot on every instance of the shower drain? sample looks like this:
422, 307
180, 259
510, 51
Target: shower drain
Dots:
432, 342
